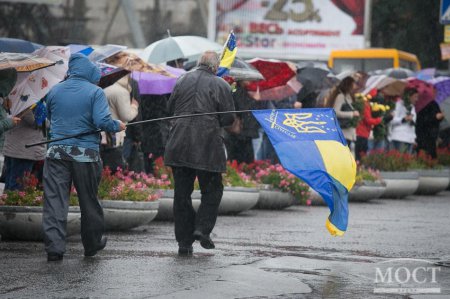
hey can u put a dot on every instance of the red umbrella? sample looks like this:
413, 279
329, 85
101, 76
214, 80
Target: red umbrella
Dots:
280, 80
426, 93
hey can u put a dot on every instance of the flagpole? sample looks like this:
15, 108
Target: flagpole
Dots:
137, 123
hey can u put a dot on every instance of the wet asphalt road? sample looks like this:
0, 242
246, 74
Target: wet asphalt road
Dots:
260, 254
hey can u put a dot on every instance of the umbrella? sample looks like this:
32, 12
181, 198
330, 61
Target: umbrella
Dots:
23, 62
445, 108
442, 86
31, 87
132, 62
316, 78
426, 93
280, 80
8, 78
14, 45
426, 74
243, 71
399, 73
155, 83
390, 86
110, 74
83, 49
104, 52
176, 47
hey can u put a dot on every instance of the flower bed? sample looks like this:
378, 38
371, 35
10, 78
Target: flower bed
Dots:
395, 170
276, 178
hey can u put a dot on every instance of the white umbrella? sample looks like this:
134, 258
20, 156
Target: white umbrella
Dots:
392, 86
31, 87
176, 47
104, 52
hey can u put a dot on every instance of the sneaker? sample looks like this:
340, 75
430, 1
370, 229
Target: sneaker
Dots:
54, 257
185, 250
205, 240
101, 246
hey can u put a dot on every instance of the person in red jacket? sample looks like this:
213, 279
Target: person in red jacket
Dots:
363, 129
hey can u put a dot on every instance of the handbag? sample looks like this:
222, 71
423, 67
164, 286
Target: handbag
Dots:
345, 123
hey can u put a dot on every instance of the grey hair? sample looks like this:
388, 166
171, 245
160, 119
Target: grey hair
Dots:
210, 59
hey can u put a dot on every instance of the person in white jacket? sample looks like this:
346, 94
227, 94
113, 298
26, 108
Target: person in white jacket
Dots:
402, 134
124, 108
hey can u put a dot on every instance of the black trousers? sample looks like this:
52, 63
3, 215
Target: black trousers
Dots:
361, 147
58, 178
186, 220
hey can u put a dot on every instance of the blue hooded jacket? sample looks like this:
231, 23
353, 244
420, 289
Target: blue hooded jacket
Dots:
77, 105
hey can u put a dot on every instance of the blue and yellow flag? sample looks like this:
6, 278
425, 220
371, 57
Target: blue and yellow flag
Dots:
310, 144
228, 55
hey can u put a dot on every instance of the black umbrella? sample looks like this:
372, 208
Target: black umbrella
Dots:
316, 79
399, 73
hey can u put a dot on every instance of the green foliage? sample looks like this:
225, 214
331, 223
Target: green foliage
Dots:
411, 26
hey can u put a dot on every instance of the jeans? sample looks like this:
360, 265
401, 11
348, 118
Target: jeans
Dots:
15, 169
402, 147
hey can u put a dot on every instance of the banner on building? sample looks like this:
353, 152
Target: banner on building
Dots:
289, 29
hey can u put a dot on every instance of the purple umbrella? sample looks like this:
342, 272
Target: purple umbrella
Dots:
442, 86
152, 83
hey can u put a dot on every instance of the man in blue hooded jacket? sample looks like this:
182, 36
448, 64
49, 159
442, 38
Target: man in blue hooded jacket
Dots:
74, 106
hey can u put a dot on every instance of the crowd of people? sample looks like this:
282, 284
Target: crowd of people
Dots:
193, 147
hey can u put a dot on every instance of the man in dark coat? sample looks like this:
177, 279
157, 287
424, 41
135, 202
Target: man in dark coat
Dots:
427, 128
195, 149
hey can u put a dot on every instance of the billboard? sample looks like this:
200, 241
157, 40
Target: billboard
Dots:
289, 29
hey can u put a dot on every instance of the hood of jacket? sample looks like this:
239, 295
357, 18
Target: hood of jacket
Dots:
80, 66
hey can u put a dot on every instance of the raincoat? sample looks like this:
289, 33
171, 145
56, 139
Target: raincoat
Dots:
197, 142
77, 105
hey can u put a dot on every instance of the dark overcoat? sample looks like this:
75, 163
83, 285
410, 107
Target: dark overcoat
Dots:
197, 142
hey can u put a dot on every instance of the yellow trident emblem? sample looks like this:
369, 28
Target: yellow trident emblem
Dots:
299, 122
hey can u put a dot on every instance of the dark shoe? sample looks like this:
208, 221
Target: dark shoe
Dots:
185, 250
54, 257
205, 240
101, 246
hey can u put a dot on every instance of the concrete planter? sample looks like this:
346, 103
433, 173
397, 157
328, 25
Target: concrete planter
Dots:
400, 184
270, 199
362, 192
25, 223
366, 191
433, 181
234, 201
124, 215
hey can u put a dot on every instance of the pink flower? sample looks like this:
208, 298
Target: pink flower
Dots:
308, 202
164, 176
22, 194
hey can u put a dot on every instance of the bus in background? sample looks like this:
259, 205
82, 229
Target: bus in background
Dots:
367, 60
